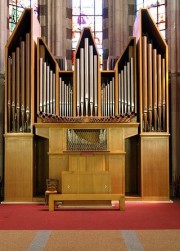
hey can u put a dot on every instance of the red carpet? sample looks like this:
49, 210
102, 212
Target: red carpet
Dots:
137, 216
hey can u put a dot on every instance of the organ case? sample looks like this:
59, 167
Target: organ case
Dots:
20, 85
87, 146
87, 115
152, 54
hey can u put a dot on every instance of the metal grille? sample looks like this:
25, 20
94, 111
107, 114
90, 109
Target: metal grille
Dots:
86, 139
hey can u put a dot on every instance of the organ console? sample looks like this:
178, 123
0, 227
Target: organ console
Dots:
94, 121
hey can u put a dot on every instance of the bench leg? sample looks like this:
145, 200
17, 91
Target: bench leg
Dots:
122, 204
51, 204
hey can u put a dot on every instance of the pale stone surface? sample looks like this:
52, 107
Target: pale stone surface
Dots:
173, 40
3, 33
118, 22
3, 40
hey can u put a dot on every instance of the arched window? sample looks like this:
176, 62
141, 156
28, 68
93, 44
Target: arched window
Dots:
157, 10
87, 14
16, 8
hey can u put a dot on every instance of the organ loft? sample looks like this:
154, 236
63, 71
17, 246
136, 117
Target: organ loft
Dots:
96, 131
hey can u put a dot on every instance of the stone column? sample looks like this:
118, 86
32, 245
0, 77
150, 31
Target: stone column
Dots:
42, 7
118, 20
173, 40
3, 40
56, 22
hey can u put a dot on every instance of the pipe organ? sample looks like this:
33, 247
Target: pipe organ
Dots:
152, 82
65, 97
20, 102
87, 65
126, 81
108, 97
46, 91
18, 98
153, 88
94, 121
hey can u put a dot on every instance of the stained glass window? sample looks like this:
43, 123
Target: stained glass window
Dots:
16, 8
157, 10
87, 14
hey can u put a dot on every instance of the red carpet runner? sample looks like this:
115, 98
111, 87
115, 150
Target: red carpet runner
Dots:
137, 216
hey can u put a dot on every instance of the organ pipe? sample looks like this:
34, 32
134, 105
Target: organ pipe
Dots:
17, 89
28, 89
149, 84
128, 89
82, 79
9, 93
60, 97
133, 87
48, 88
125, 89
86, 80
44, 86
54, 92
13, 89
163, 94
113, 97
91, 83
119, 93
78, 88
155, 88
144, 80
95, 84
65, 100
41, 84
122, 92
22, 76
159, 92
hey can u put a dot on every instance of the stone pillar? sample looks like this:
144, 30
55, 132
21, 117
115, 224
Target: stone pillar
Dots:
118, 20
173, 40
42, 7
3, 40
56, 21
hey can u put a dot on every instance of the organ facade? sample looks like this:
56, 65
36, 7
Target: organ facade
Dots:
96, 131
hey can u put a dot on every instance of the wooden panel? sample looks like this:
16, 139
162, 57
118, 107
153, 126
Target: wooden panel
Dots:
42, 132
116, 168
155, 166
102, 182
86, 182
129, 132
116, 142
77, 163
56, 140
95, 163
89, 162
57, 164
70, 182
19, 168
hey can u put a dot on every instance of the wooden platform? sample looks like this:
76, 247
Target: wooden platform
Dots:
73, 197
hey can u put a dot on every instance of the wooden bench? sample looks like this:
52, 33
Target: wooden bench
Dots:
73, 197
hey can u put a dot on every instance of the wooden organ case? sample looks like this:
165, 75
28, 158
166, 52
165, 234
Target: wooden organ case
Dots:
152, 75
20, 77
80, 120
